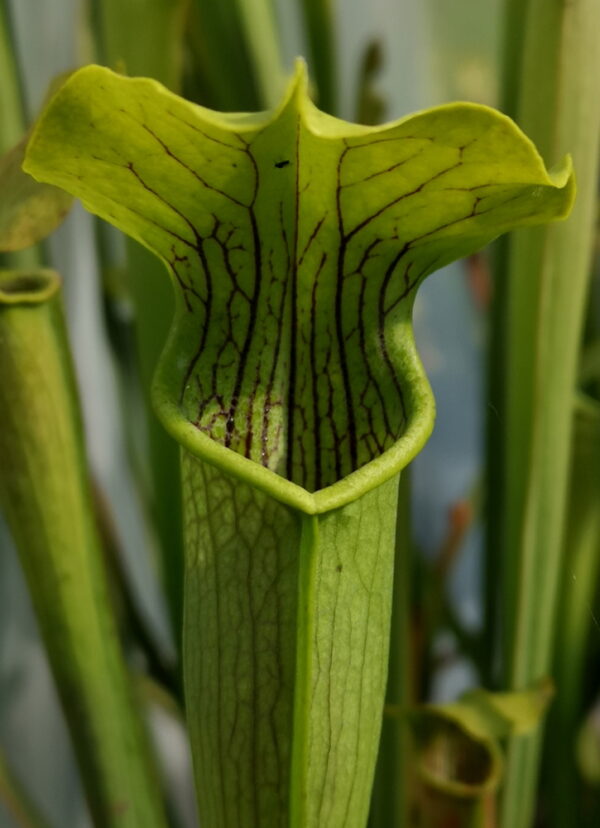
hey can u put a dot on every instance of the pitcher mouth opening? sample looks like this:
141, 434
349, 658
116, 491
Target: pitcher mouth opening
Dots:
28, 287
456, 762
420, 408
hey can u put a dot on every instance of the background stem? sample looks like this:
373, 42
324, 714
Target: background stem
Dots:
257, 19
12, 118
45, 494
559, 109
515, 14
320, 31
12, 122
155, 52
578, 590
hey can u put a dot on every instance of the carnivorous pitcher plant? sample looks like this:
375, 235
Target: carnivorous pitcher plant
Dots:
296, 243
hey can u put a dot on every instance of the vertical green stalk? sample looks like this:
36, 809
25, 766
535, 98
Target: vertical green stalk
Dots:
262, 37
515, 17
12, 120
157, 47
156, 52
515, 12
44, 491
580, 583
560, 108
215, 30
153, 301
320, 29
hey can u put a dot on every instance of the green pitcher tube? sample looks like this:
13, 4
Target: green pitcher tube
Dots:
45, 495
